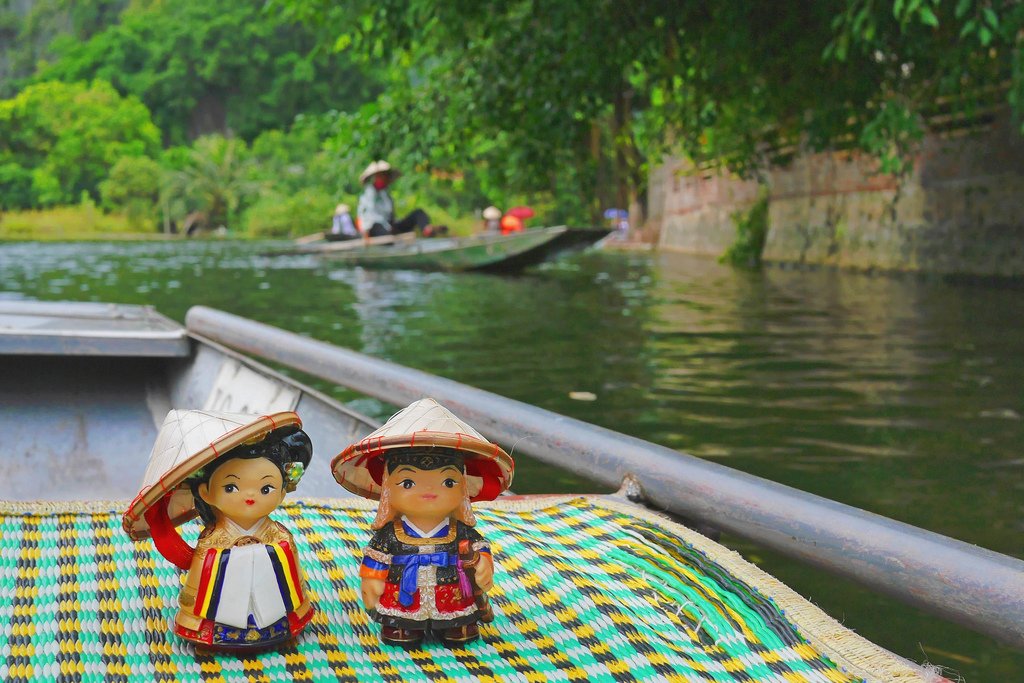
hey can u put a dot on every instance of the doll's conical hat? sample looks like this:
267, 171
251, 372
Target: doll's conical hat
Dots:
188, 441
424, 424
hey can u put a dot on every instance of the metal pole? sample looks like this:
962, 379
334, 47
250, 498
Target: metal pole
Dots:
972, 586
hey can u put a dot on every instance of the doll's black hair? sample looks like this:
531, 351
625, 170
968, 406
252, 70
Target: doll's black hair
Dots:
281, 447
425, 458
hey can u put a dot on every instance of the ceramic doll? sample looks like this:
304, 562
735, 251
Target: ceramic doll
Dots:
244, 590
426, 569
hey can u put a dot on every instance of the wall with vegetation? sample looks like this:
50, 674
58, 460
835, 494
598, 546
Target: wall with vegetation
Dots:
956, 210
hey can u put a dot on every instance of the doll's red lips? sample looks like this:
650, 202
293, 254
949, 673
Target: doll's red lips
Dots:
250, 501
429, 496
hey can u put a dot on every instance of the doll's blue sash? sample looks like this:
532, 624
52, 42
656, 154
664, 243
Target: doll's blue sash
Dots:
411, 568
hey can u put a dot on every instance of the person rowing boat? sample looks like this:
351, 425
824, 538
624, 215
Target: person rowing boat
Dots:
377, 208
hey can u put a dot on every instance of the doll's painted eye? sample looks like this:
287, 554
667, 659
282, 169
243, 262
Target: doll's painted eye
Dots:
407, 483
267, 489
230, 488
449, 483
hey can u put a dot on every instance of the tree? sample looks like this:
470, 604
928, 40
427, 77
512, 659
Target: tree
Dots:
216, 180
133, 186
941, 65
28, 28
542, 93
213, 67
66, 137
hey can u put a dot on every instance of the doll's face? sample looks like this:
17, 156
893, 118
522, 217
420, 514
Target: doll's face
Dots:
244, 490
426, 493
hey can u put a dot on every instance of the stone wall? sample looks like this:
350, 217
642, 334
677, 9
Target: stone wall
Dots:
961, 209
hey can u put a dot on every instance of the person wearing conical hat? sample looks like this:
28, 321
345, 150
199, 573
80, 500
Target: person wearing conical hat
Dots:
492, 219
426, 569
376, 210
245, 590
342, 225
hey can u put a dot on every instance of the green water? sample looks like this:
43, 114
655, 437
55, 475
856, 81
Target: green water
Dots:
901, 396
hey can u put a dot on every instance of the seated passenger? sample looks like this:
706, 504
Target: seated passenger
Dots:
342, 227
510, 224
377, 209
492, 220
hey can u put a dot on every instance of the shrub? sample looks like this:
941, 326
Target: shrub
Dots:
68, 135
305, 212
15, 187
751, 233
133, 186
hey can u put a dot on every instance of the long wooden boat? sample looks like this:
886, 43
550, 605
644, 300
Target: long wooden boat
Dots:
587, 587
484, 252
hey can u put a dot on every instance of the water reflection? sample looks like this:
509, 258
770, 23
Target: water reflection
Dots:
897, 395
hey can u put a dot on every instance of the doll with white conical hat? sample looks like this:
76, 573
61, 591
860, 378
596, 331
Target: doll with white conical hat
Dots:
245, 590
426, 569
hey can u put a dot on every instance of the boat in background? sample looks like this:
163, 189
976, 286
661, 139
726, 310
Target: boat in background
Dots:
485, 252
587, 587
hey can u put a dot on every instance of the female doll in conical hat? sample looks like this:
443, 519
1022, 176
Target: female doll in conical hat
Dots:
426, 569
245, 590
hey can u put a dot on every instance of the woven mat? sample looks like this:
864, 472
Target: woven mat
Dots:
584, 591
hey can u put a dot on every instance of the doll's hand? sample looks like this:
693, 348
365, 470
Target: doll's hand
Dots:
485, 573
371, 589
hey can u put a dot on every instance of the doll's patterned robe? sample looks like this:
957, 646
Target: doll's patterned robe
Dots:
211, 587
425, 585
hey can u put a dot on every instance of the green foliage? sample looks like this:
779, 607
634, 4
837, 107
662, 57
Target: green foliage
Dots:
507, 96
559, 105
15, 186
303, 157
892, 137
575, 99
751, 233
216, 179
133, 186
303, 213
67, 136
27, 30
949, 60
206, 67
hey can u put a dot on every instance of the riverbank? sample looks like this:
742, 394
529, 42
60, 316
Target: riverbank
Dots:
88, 223
84, 222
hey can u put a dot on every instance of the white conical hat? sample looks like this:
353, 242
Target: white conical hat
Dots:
492, 213
187, 441
425, 423
379, 166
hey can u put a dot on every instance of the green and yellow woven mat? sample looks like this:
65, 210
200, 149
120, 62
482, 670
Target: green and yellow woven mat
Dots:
586, 589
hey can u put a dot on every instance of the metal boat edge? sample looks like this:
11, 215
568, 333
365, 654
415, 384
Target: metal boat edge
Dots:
978, 588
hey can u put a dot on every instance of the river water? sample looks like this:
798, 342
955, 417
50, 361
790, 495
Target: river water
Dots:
899, 395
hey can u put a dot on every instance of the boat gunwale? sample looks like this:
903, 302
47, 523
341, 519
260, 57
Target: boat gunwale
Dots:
978, 588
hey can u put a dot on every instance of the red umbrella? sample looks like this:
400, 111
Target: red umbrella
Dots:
520, 212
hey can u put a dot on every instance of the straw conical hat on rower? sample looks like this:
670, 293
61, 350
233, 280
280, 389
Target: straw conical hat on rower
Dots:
190, 440
492, 213
425, 424
379, 166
